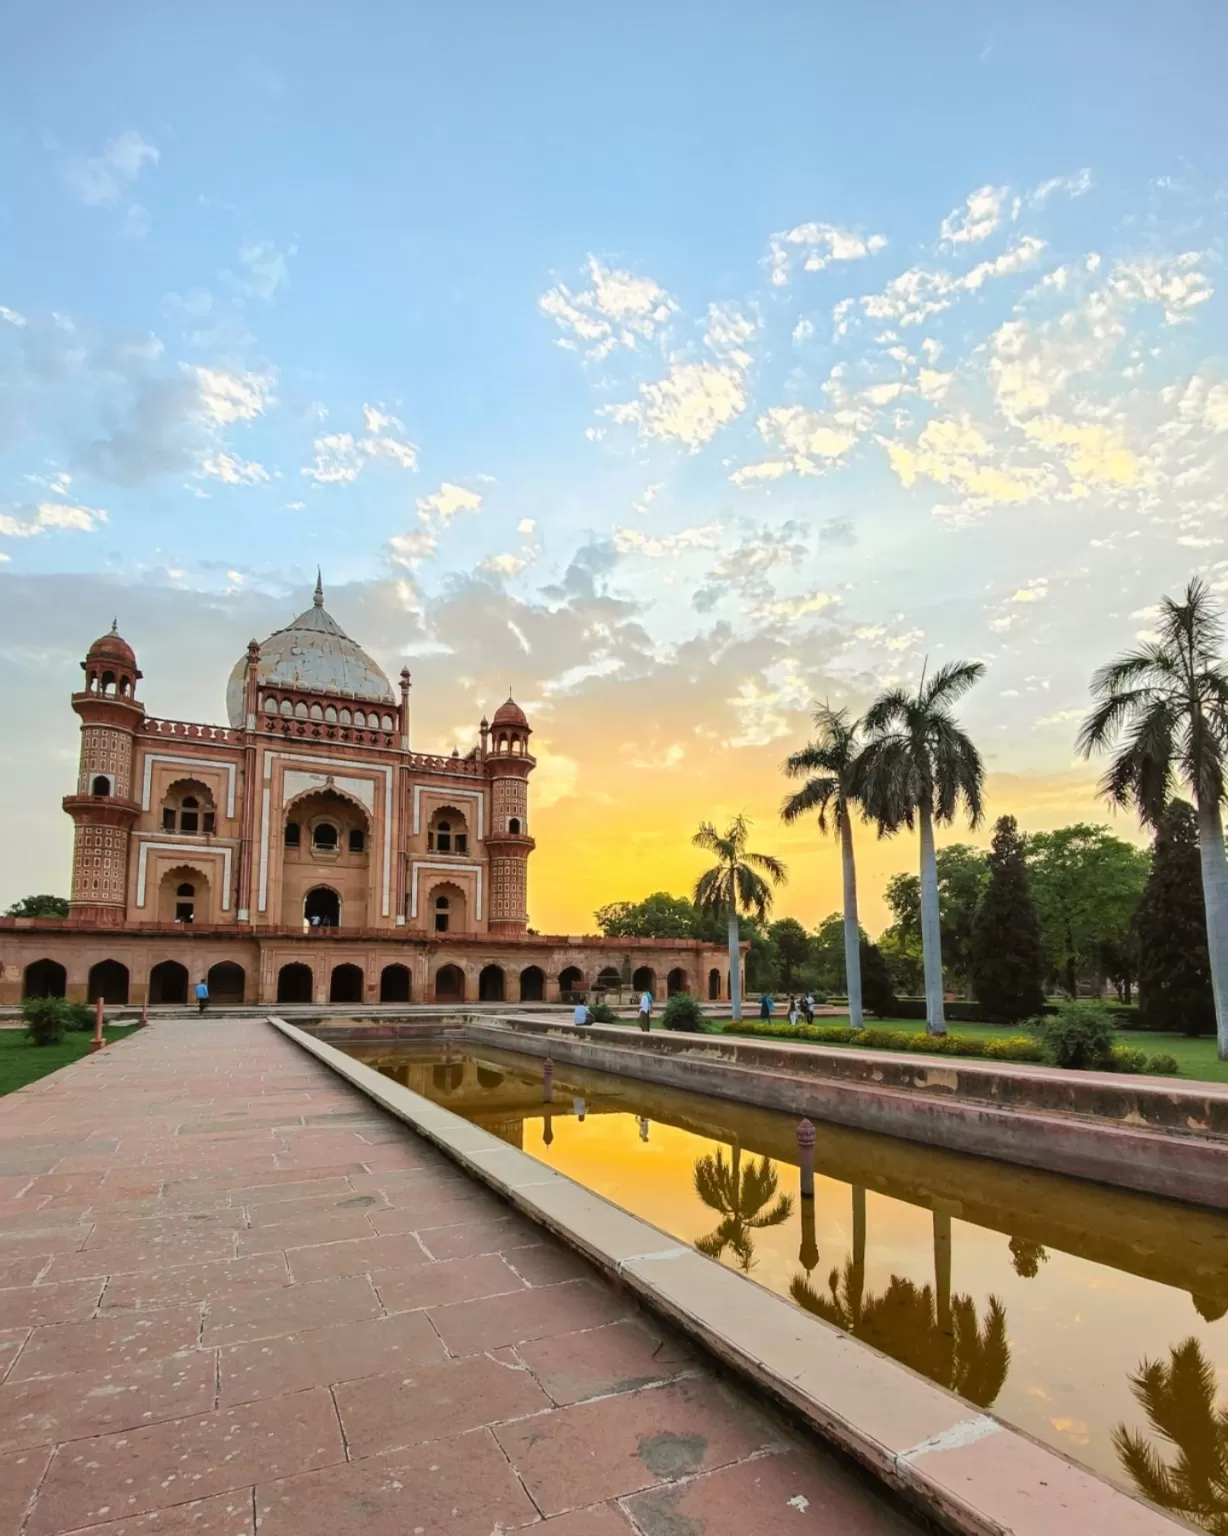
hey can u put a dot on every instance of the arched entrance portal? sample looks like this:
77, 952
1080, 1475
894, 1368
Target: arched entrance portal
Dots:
294, 984
394, 984
714, 986
346, 984
449, 984
532, 984
322, 907
226, 982
609, 980
168, 983
108, 980
571, 981
490, 984
677, 981
645, 980
44, 978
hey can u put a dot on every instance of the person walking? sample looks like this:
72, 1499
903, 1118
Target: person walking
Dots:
765, 1006
202, 995
645, 1011
808, 1007
792, 1009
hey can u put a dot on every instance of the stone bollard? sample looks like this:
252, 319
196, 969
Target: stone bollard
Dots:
547, 1081
97, 1043
805, 1148
144, 1014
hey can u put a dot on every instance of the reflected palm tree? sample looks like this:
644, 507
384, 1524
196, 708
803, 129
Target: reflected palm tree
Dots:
739, 1195
969, 1358
1179, 1401
1027, 1257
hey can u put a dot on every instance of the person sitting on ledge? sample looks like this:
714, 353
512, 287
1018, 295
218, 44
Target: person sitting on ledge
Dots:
581, 1015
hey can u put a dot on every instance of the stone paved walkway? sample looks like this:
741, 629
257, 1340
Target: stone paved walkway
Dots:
233, 1293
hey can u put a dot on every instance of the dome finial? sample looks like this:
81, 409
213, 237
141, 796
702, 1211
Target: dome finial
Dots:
318, 599
115, 625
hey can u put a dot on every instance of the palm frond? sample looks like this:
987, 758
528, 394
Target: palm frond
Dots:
951, 682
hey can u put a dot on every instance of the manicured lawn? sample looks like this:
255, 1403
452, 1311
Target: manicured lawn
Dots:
1197, 1057
22, 1062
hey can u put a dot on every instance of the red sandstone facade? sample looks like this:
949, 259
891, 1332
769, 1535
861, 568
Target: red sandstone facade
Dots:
305, 853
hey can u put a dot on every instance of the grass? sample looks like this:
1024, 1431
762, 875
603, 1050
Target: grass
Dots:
1197, 1057
22, 1062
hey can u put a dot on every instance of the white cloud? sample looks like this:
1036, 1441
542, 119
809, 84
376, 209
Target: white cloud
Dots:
814, 440
1035, 591
265, 268
690, 405
526, 526
819, 245
920, 292
233, 471
619, 309
1174, 281
59, 516
630, 541
229, 397
435, 514
803, 331
506, 564
100, 180
1074, 186
443, 505
11, 315
647, 496
341, 457
976, 220
1061, 717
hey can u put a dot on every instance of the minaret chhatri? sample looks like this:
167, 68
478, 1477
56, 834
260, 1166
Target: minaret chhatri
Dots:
106, 802
508, 844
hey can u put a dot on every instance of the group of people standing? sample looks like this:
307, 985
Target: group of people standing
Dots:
799, 1007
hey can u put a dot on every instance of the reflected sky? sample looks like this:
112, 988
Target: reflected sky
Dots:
1035, 1295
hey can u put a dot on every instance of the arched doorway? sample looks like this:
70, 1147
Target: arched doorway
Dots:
532, 984
294, 984
44, 978
676, 982
109, 981
226, 982
609, 979
322, 907
645, 979
714, 986
570, 981
394, 984
490, 984
346, 984
449, 984
168, 982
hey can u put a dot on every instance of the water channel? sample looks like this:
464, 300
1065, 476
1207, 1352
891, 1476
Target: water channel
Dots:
1092, 1318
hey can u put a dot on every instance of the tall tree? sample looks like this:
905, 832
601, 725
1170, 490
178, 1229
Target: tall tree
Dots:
1174, 976
1007, 961
916, 770
1086, 885
659, 916
39, 906
1163, 713
793, 945
962, 875
829, 766
734, 885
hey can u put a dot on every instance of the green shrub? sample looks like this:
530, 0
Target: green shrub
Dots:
1015, 1048
603, 1014
1078, 1036
1128, 1058
1163, 1065
45, 1019
77, 1016
682, 1011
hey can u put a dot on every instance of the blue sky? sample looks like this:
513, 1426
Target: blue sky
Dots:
675, 365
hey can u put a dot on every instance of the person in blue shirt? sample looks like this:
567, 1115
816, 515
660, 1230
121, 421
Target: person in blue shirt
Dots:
202, 995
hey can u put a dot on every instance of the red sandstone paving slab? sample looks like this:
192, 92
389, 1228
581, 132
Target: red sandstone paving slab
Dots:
461, 1487
462, 1239
107, 1343
20, 1474
110, 1231
307, 1231
358, 1256
30, 1306
435, 1210
215, 1281
277, 1213
599, 1520
293, 1308
527, 1314
125, 1474
139, 1258
443, 1284
57, 1408
271, 1367
619, 1445
434, 1402
86, 1186
805, 1493
617, 1358
547, 1264
24, 1269
12, 1341
228, 1514
287, 1187
28, 1244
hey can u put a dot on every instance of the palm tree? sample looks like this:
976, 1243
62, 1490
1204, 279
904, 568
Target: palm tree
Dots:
916, 768
829, 767
1163, 711
1179, 1400
740, 1197
734, 885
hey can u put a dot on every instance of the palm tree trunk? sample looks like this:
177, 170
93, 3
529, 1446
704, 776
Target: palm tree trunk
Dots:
942, 1269
735, 967
1215, 895
852, 928
931, 928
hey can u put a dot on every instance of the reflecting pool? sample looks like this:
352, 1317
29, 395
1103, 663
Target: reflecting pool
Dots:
1093, 1318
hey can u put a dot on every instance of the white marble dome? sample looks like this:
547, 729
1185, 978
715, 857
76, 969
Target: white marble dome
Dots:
313, 654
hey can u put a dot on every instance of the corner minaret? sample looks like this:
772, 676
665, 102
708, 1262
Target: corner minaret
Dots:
106, 803
508, 765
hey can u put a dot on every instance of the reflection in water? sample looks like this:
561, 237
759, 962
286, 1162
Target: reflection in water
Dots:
1179, 1401
739, 1195
921, 1252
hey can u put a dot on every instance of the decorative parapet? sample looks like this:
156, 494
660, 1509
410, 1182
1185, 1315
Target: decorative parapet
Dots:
188, 730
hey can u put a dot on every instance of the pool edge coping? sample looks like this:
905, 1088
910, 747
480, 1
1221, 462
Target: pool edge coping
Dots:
969, 1471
